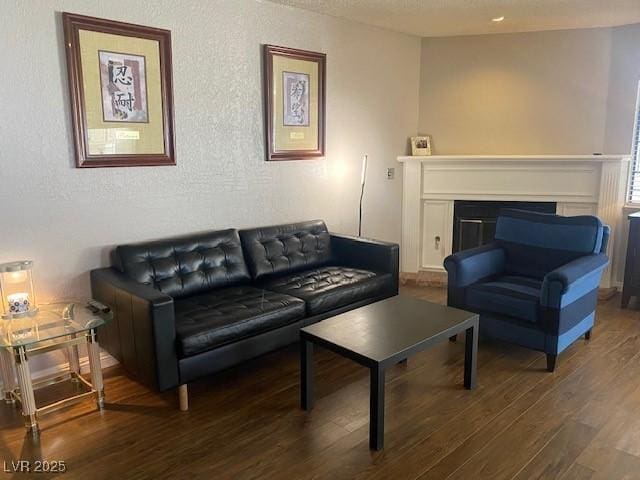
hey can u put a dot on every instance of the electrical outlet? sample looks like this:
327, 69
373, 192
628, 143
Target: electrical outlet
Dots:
391, 173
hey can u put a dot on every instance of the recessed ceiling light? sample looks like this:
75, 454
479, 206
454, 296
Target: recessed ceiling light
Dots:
497, 19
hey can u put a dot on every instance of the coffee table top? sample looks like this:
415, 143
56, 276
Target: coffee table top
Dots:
389, 330
53, 321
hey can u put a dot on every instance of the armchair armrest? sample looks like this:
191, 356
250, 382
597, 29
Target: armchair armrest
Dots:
383, 257
469, 266
142, 335
573, 280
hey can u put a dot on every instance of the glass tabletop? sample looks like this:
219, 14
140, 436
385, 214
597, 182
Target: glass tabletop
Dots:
53, 321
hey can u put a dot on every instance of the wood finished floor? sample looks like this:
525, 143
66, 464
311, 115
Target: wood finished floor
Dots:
581, 422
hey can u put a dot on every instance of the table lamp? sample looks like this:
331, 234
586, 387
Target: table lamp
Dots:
16, 290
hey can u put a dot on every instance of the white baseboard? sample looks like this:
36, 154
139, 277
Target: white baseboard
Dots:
106, 360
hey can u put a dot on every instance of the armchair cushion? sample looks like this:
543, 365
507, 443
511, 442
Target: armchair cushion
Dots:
513, 296
227, 315
327, 288
537, 243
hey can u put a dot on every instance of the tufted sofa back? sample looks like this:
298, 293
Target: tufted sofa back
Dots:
286, 248
187, 265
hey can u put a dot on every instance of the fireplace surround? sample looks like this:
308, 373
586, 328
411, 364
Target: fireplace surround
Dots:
577, 184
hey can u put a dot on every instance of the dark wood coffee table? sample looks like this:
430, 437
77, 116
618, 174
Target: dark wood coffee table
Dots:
382, 334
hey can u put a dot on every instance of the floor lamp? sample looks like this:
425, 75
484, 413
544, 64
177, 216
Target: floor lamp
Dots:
362, 182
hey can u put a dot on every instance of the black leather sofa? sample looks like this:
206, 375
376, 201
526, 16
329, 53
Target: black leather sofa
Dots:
189, 306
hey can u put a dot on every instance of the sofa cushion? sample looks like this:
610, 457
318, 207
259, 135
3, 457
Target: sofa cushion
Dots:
212, 319
184, 266
286, 248
513, 296
537, 243
327, 288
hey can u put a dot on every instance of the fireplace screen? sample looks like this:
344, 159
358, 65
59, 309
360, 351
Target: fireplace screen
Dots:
474, 222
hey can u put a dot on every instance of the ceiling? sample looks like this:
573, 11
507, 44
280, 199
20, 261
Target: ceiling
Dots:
434, 18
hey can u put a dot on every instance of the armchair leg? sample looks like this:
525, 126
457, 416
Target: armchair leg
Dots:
587, 336
551, 362
183, 394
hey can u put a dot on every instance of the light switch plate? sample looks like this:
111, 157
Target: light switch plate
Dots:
391, 173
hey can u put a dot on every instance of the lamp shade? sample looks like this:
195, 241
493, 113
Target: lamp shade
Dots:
364, 169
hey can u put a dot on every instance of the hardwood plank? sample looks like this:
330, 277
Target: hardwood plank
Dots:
610, 463
558, 455
578, 472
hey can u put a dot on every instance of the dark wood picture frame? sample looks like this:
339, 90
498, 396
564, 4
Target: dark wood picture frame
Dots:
272, 151
73, 24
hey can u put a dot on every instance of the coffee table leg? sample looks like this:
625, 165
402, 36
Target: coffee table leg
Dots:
306, 375
376, 409
470, 357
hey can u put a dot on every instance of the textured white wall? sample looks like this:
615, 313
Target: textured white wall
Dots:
67, 219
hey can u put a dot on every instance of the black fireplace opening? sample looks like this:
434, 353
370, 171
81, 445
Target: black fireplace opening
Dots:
474, 222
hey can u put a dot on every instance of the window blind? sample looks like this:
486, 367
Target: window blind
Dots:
634, 177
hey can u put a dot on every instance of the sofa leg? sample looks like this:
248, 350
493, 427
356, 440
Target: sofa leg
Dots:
587, 336
183, 394
551, 362
453, 338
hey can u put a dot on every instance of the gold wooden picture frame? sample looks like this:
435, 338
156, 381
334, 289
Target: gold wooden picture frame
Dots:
294, 94
120, 84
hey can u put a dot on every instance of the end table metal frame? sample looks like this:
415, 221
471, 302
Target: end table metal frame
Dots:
377, 370
14, 363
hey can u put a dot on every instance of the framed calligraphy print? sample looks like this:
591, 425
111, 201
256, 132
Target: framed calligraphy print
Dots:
121, 92
294, 91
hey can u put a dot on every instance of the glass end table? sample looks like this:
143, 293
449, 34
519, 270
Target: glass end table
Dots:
56, 326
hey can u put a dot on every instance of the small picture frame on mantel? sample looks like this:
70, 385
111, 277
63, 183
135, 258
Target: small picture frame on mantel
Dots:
421, 145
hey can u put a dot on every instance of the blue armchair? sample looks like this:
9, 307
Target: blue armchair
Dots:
537, 284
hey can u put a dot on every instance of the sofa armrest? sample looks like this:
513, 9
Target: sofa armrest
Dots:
383, 257
142, 335
469, 266
573, 280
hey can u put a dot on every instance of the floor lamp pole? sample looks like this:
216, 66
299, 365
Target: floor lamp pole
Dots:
362, 183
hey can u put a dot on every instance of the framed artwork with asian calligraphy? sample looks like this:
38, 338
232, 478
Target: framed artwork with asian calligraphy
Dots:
120, 84
294, 93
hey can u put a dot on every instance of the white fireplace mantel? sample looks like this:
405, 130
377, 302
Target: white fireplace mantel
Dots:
579, 184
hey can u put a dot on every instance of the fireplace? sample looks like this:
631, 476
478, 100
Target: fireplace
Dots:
433, 186
474, 222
